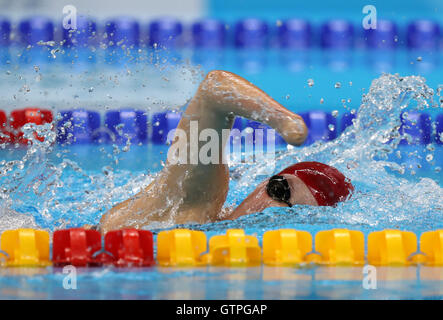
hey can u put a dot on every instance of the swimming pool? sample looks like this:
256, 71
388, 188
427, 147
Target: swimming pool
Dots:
262, 282
55, 186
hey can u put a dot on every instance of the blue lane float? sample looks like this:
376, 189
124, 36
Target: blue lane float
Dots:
417, 126
83, 36
251, 33
77, 43
322, 126
126, 124
209, 33
35, 29
439, 129
337, 34
385, 36
423, 34
295, 34
78, 127
5, 40
165, 32
347, 120
122, 40
31, 32
5, 32
162, 124
122, 32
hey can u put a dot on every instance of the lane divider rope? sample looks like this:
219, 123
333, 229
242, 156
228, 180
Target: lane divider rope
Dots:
189, 248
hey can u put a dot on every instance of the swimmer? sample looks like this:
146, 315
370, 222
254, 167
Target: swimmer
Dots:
184, 193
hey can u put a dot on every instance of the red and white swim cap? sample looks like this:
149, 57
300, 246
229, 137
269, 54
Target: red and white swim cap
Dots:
327, 184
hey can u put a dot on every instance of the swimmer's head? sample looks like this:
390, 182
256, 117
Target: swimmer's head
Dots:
282, 190
304, 183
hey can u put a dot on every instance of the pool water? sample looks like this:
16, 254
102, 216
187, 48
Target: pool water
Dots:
223, 283
76, 190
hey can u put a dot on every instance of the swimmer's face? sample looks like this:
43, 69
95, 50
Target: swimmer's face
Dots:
259, 199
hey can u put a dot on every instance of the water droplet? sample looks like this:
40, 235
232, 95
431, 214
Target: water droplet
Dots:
53, 53
419, 58
337, 85
335, 113
331, 127
429, 157
322, 100
310, 82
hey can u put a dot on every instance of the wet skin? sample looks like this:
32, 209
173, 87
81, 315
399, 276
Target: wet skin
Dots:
183, 193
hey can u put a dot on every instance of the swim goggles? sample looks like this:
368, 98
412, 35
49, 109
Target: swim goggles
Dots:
278, 189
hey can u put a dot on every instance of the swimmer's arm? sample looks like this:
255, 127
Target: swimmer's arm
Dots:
202, 188
223, 93
221, 96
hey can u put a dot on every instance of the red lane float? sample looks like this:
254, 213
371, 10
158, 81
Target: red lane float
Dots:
28, 115
5, 135
129, 248
76, 247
